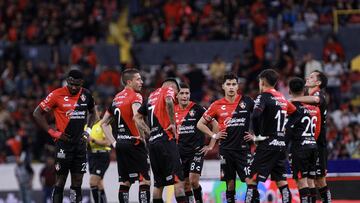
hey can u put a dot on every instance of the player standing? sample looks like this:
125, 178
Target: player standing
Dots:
316, 83
268, 119
303, 136
233, 116
191, 142
71, 106
99, 160
131, 153
164, 154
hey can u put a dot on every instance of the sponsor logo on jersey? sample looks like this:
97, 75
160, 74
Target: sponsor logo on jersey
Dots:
83, 97
242, 105
192, 113
276, 142
74, 114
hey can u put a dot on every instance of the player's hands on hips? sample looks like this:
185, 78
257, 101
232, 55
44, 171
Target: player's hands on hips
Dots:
172, 128
220, 135
57, 135
205, 149
249, 137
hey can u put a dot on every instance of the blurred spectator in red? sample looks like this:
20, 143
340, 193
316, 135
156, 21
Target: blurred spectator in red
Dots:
332, 45
108, 82
258, 13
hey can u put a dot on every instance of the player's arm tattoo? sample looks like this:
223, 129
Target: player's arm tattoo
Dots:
140, 123
135, 107
105, 125
170, 109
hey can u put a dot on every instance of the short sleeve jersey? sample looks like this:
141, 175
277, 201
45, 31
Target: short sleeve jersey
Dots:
70, 111
123, 126
307, 129
155, 110
273, 109
321, 141
234, 118
189, 137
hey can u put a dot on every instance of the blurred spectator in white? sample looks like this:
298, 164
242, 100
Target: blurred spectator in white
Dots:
333, 70
311, 64
24, 175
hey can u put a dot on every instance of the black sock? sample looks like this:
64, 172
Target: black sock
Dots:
325, 194
304, 195
181, 199
158, 201
198, 194
95, 193
144, 193
313, 194
252, 194
230, 196
75, 194
189, 195
57, 195
123, 194
285, 193
103, 198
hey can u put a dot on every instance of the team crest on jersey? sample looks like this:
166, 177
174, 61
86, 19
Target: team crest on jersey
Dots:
83, 97
192, 113
242, 105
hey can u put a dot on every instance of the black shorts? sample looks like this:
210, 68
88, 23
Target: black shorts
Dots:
132, 162
268, 162
192, 163
165, 163
303, 163
321, 162
99, 163
70, 157
234, 162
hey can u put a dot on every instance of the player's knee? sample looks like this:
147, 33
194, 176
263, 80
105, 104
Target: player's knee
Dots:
76, 180
144, 182
320, 182
60, 181
187, 185
230, 184
94, 180
126, 183
302, 183
194, 183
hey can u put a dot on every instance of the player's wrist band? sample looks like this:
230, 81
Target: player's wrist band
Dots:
214, 136
88, 130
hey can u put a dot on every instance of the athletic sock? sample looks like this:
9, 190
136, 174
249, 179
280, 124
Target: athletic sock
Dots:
57, 195
103, 198
123, 194
230, 196
285, 193
144, 193
251, 194
313, 194
95, 194
158, 201
190, 196
198, 194
75, 194
325, 194
304, 195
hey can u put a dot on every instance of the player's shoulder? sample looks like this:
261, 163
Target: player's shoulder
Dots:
247, 98
198, 106
86, 91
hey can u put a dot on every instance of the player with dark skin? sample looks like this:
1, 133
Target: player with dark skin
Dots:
75, 105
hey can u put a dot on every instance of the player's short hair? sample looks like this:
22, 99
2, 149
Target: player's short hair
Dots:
296, 85
229, 76
128, 74
173, 80
75, 73
270, 76
184, 85
322, 78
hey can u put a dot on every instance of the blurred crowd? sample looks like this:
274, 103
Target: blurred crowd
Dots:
24, 83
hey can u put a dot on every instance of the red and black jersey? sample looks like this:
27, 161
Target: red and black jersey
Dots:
155, 110
189, 137
234, 118
123, 126
321, 141
70, 111
269, 119
304, 133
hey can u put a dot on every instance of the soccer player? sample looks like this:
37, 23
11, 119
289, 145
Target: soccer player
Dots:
131, 153
71, 105
303, 136
233, 116
316, 83
191, 142
164, 155
99, 160
268, 119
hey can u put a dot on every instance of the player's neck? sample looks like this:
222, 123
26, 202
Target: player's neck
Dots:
231, 99
314, 89
184, 106
267, 88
